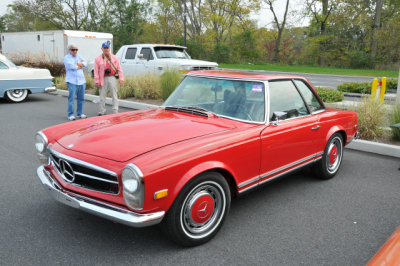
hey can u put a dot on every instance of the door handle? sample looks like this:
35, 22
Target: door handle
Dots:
316, 127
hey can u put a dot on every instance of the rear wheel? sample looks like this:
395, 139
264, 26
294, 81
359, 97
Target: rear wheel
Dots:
16, 96
199, 210
331, 160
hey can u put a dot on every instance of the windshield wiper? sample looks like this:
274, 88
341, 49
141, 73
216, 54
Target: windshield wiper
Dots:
196, 110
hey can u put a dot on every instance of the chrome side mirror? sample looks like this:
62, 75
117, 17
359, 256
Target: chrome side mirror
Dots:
278, 116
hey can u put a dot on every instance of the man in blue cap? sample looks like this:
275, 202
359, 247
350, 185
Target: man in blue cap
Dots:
107, 71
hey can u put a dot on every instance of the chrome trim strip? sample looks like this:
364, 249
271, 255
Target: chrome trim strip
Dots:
286, 172
277, 176
281, 169
290, 165
96, 178
95, 207
50, 89
88, 165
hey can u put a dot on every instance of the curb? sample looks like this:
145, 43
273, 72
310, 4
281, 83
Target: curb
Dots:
358, 144
375, 147
96, 99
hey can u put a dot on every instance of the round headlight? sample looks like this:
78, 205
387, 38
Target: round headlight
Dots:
133, 187
41, 148
40, 143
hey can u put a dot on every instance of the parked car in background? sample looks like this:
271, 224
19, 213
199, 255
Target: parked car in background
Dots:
16, 82
218, 135
389, 253
156, 58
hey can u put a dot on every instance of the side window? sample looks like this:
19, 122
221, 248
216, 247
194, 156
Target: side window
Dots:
284, 97
309, 96
131, 53
3, 66
147, 54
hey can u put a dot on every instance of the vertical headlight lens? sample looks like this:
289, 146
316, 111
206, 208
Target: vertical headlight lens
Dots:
41, 148
133, 187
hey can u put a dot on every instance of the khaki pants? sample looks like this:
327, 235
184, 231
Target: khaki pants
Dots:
110, 83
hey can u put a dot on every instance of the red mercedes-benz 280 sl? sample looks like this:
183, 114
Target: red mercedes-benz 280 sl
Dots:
218, 135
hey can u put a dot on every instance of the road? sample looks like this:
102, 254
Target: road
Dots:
297, 220
323, 80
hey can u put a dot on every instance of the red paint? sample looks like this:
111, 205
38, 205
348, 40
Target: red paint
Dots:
171, 148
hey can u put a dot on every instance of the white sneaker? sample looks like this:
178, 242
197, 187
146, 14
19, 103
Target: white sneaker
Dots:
82, 116
70, 118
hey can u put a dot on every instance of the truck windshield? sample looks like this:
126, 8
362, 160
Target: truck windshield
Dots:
233, 98
171, 52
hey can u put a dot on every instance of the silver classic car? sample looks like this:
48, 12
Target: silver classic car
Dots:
17, 82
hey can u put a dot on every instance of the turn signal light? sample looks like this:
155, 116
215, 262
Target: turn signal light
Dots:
161, 194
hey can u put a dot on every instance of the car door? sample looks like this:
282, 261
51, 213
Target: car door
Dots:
129, 61
288, 143
145, 64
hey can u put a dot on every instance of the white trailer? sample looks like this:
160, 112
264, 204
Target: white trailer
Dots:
53, 45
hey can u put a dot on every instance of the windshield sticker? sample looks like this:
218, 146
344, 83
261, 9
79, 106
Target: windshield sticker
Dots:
257, 88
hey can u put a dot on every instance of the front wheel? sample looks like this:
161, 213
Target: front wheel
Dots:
199, 210
16, 96
331, 160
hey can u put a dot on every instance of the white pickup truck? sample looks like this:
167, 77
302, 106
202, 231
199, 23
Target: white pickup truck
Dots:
156, 58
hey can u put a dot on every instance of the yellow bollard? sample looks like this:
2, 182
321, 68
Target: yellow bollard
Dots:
383, 88
374, 87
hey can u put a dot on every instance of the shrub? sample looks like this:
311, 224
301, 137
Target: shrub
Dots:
128, 90
391, 84
147, 86
355, 87
394, 119
60, 84
330, 95
168, 82
371, 115
39, 61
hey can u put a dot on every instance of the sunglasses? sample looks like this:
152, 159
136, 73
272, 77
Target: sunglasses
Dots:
74, 50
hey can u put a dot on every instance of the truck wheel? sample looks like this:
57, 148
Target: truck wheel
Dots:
199, 210
16, 96
331, 160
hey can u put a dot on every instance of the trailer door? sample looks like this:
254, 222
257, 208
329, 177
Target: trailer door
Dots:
48, 45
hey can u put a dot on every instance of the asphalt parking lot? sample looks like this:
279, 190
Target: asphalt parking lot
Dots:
297, 220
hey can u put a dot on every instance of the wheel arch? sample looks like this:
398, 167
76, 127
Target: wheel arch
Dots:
336, 129
205, 167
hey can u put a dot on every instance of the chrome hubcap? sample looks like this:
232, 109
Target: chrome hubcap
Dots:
334, 155
17, 93
202, 209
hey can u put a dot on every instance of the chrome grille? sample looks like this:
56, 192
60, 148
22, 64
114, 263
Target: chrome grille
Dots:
85, 175
203, 68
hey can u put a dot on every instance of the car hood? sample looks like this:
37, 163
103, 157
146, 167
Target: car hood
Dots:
190, 62
21, 73
125, 136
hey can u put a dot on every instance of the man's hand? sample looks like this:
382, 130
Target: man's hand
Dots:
98, 85
80, 65
121, 83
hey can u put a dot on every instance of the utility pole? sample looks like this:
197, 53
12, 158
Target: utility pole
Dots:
184, 25
398, 90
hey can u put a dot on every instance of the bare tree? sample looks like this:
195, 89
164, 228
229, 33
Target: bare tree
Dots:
321, 17
280, 27
375, 28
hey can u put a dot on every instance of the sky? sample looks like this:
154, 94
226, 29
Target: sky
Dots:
264, 17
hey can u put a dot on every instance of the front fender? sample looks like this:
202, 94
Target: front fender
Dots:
198, 169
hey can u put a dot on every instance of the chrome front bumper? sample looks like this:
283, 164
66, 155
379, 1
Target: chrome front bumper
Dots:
50, 89
96, 207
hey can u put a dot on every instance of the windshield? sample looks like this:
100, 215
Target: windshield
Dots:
9, 62
239, 99
171, 52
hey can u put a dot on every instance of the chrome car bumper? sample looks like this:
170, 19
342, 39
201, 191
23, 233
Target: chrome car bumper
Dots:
96, 207
50, 89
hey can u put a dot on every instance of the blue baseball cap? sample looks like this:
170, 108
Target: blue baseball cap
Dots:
106, 45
